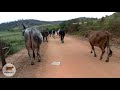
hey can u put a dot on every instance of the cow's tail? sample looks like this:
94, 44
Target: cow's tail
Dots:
32, 42
31, 39
108, 45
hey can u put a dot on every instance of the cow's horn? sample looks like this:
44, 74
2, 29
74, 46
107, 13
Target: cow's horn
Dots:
23, 26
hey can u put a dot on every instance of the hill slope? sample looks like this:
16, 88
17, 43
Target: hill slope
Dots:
29, 22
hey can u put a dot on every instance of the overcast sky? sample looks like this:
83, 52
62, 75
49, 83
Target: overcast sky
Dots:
48, 16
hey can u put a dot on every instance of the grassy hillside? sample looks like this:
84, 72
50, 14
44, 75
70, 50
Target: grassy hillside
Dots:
47, 26
15, 39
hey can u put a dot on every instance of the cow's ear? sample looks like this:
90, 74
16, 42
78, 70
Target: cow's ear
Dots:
23, 26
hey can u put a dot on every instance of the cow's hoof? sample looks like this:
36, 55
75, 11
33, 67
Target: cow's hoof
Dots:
107, 61
95, 55
32, 63
100, 58
39, 61
91, 52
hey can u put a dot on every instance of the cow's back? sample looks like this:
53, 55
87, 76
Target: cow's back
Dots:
37, 37
97, 38
33, 38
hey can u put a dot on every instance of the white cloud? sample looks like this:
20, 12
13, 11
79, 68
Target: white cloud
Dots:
49, 16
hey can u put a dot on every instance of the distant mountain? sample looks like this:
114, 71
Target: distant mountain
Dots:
28, 23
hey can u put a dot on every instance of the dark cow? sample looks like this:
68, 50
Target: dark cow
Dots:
100, 39
50, 33
62, 35
45, 35
33, 39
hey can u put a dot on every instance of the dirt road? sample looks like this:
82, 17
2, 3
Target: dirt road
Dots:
75, 59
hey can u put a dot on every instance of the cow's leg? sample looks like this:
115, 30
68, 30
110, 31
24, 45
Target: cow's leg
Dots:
103, 51
43, 38
109, 54
62, 40
33, 54
46, 39
30, 56
93, 50
38, 55
53, 35
107, 59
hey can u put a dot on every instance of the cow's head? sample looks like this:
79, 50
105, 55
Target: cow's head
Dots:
23, 31
88, 33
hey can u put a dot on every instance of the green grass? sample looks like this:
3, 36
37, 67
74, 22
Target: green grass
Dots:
6, 33
15, 39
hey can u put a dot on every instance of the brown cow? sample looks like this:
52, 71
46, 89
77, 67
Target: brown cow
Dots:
100, 39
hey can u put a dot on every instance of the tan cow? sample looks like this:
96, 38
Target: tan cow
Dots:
100, 39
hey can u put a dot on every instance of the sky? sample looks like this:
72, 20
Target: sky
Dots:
48, 16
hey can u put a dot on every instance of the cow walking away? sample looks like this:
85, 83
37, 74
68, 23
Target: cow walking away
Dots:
45, 35
50, 33
62, 35
53, 33
33, 40
100, 39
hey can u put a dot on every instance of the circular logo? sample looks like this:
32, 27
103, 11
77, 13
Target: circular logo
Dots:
8, 69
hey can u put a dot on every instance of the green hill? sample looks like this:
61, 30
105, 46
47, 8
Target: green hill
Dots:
30, 22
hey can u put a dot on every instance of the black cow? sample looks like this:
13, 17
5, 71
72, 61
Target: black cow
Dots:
62, 35
45, 35
50, 32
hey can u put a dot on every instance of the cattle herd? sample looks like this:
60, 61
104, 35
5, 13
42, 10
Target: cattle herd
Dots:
34, 38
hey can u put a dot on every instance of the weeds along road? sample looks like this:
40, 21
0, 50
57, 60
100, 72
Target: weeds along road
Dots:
74, 61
